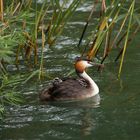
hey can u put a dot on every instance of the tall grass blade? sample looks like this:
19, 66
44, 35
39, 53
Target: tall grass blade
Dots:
127, 35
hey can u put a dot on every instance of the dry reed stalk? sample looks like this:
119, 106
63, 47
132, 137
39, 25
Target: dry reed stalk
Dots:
16, 8
1, 10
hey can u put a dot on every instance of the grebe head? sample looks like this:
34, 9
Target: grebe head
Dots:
82, 64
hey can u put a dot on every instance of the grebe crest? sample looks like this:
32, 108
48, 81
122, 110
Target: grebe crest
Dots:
72, 88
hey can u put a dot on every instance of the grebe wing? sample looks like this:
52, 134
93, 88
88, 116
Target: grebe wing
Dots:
69, 88
63, 89
81, 81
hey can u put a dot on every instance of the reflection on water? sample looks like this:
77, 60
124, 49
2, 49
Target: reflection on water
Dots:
116, 117
63, 120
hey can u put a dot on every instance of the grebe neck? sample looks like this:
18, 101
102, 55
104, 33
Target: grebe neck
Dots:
89, 80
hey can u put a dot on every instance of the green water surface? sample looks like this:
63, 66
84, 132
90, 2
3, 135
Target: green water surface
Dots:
116, 118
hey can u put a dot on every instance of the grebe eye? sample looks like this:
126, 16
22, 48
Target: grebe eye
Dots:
89, 61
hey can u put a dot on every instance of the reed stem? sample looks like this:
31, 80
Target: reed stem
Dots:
131, 11
1, 10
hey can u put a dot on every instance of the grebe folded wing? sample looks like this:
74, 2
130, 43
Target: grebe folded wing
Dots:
70, 88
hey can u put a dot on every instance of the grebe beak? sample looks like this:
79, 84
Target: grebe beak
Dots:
96, 64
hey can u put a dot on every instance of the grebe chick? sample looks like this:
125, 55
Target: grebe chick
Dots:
72, 88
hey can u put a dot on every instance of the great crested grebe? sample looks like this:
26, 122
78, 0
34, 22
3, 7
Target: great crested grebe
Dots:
72, 88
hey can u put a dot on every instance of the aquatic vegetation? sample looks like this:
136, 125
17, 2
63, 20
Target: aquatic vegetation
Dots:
22, 24
116, 22
8, 94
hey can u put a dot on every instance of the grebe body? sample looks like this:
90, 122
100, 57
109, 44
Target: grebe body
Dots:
72, 88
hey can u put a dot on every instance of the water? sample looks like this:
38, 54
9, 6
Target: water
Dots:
117, 117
